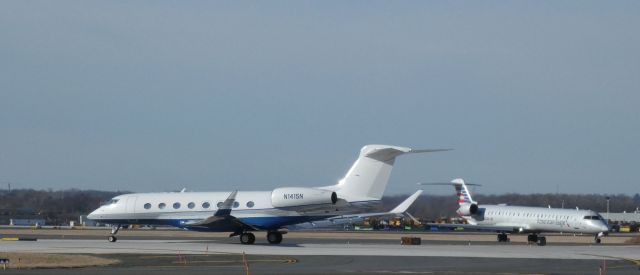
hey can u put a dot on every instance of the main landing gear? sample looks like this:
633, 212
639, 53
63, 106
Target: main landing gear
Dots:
273, 237
534, 238
247, 238
502, 237
114, 230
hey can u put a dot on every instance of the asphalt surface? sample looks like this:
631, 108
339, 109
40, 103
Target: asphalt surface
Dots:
135, 264
218, 254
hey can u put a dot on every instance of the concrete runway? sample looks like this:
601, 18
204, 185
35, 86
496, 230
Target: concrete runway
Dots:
309, 254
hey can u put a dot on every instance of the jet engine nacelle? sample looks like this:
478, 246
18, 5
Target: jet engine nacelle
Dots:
468, 209
297, 196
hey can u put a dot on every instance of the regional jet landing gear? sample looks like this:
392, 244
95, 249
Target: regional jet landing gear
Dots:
502, 237
598, 238
114, 231
533, 238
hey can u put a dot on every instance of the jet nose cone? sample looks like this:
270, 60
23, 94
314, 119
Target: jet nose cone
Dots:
93, 215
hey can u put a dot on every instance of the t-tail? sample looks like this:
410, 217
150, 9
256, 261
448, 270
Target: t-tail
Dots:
467, 206
464, 196
368, 176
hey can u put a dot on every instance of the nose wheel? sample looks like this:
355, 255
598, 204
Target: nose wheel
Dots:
114, 231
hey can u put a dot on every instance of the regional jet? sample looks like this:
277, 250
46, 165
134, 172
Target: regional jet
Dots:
241, 212
522, 219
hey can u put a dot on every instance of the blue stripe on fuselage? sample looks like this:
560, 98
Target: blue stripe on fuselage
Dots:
265, 223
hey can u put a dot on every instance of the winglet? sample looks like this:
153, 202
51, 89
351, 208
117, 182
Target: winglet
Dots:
402, 207
225, 208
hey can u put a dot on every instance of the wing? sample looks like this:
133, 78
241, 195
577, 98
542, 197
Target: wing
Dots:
222, 219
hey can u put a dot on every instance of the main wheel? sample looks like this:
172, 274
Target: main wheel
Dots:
112, 239
274, 237
542, 241
502, 237
598, 240
247, 238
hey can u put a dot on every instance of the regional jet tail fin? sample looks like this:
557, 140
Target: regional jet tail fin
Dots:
462, 192
369, 175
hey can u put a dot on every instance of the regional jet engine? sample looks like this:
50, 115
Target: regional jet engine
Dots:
468, 209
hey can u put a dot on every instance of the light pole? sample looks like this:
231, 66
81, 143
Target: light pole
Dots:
608, 218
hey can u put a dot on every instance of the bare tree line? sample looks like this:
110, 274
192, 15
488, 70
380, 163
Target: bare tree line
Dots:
431, 207
60, 207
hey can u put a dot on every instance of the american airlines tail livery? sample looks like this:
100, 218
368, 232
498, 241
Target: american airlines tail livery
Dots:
521, 219
242, 212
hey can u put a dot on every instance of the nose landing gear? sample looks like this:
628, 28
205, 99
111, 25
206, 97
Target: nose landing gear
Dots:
114, 231
598, 238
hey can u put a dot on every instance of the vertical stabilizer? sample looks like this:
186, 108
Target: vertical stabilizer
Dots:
369, 175
464, 197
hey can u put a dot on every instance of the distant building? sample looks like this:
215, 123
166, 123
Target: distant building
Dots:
27, 222
20, 216
622, 217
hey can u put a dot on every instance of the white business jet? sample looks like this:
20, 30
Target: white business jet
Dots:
242, 212
522, 219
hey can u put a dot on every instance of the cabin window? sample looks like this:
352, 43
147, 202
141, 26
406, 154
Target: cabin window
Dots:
206, 205
162, 205
219, 204
176, 205
250, 204
147, 205
236, 204
191, 205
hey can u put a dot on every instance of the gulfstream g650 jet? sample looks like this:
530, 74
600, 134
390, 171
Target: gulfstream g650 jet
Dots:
271, 211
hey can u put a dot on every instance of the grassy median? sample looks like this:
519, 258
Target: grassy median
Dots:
44, 260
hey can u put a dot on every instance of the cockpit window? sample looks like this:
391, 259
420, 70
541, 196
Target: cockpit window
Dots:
591, 217
110, 202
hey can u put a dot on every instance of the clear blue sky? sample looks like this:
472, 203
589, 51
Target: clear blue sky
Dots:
212, 95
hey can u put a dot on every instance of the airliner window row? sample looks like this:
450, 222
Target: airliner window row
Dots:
518, 214
192, 205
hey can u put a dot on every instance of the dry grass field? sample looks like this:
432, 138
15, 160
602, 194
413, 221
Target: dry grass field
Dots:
43, 260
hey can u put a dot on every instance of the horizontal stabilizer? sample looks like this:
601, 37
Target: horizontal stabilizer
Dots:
402, 207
